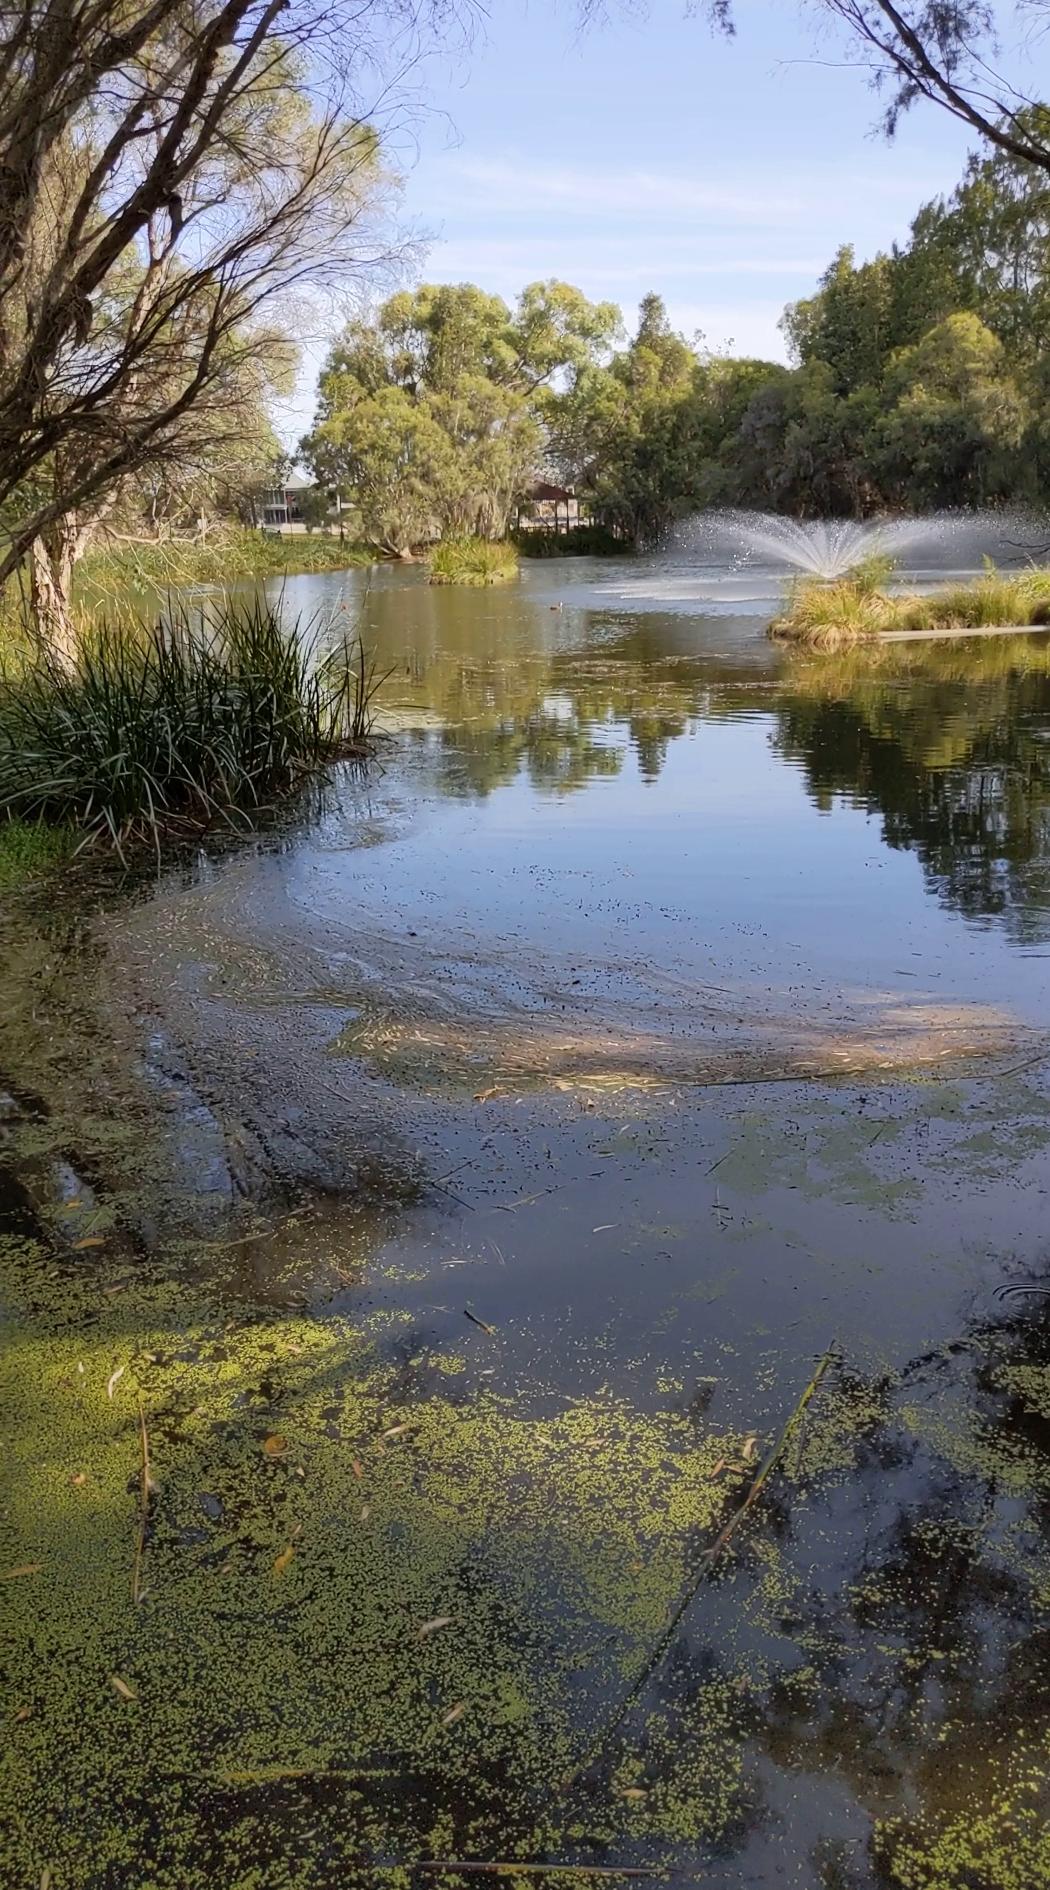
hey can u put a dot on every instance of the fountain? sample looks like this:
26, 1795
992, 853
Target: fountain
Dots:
829, 548
736, 563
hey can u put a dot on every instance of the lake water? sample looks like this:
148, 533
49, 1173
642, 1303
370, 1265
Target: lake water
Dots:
452, 1194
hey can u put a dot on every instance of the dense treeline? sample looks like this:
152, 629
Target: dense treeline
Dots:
919, 380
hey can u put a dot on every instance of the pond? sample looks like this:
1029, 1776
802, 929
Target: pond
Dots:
422, 1222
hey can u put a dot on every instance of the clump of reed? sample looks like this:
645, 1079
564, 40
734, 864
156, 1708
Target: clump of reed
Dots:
473, 561
180, 724
847, 610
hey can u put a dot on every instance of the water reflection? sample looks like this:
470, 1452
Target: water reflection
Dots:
947, 742
952, 750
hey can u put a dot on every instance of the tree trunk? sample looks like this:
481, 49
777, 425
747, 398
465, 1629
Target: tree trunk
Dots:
51, 561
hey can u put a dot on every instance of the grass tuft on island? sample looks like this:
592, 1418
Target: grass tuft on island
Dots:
173, 727
827, 616
473, 561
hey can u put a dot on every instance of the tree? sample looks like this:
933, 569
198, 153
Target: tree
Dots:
985, 249
170, 171
948, 53
848, 323
956, 416
431, 417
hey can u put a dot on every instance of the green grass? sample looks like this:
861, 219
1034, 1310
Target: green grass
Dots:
178, 726
473, 561
830, 615
29, 851
225, 558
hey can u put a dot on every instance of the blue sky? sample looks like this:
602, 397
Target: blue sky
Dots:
646, 153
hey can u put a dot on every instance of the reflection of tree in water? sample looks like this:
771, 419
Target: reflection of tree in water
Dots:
956, 760
881, 1656
561, 727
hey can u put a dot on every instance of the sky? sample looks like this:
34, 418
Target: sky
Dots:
645, 153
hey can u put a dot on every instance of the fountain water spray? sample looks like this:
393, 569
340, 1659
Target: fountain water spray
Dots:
830, 548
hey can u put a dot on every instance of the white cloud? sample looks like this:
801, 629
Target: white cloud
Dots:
519, 183
632, 257
518, 186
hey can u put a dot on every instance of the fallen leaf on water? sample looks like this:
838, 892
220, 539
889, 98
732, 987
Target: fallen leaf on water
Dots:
23, 1712
366, 1512
633, 1791
605, 1228
431, 1627
22, 1568
397, 1430
274, 1446
750, 1450
355, 1465
454, 1713
79, 1480
282, 1561
89, 1240
486, 1095
121, 1686
718, 1469
45, 1878
111, 1382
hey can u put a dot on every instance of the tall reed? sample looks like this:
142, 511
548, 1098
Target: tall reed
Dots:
181, 723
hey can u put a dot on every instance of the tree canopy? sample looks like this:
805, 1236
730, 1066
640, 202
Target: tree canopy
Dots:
431, 417
919, 379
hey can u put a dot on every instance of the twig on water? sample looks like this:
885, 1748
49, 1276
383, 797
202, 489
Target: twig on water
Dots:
705, 1565
144, 1492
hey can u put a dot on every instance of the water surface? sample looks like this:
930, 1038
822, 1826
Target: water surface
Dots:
464, 1181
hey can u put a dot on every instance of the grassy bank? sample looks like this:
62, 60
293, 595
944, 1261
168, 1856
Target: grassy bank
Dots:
227, 557
178, 727
473, 561
28, 851
829, 615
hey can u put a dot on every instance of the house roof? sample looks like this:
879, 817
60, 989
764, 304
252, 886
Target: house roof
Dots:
297, 482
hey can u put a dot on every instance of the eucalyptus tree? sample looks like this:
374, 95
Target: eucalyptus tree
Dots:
171, 173
433, 416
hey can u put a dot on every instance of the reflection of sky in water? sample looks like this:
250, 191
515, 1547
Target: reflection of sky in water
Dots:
657, 784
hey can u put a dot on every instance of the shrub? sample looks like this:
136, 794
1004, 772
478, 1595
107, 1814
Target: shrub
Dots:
828, 615
576, 541
473, 561
178, 724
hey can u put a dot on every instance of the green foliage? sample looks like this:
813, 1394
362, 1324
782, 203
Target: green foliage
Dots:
578, 541
872, 574
826, 616
921, 380
430, 417
221, 559
28, 851
174, 725
473, 561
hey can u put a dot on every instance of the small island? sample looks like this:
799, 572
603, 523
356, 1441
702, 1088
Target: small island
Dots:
862, 607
